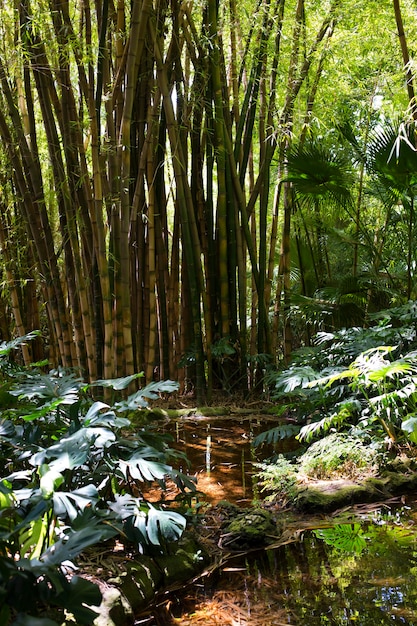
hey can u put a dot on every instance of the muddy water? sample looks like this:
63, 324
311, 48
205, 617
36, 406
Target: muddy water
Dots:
311, 583
221, 455
365, 574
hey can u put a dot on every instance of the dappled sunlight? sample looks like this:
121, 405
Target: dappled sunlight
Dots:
221, 456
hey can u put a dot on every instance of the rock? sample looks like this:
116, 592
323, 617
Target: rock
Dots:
329, 495
114, 609
250, 529
177, 568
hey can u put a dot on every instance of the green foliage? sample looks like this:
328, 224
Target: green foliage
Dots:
319, 174
343, 537
74, 472
338, 455
359, 380
278, 478
283, 431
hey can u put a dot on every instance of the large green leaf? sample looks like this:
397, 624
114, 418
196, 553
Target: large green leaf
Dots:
183, 481
393, 158
140, 399
283, 431
68, 453
77, 596
39, 412
50, 480
72, 502
7, 346
100, 414
164, 525
409, 426
75, 542
116, 383
343, 537
57, 385
320, 174
36, 511
7, 429
143, 469
146, 524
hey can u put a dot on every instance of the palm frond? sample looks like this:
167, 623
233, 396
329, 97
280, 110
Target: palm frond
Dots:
318, 174
393, 157
278, 433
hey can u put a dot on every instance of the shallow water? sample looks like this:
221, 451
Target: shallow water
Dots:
221, 455
313, 583
362, 574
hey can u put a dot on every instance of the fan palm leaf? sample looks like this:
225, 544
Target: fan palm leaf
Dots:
319, 175
392, 159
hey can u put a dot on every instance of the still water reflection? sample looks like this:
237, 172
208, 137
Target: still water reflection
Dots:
221, 455
313, 583
361, 573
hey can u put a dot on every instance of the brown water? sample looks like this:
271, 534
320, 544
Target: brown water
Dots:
365, 574
221, 455
313, 584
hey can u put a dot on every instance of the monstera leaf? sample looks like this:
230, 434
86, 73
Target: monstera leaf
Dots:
139, 400
72, 502
78, 593
146, 524
343, 537
54, 386
164, 525
100, 414
143, 469
75, 541
116, 383
75, 595
409, 426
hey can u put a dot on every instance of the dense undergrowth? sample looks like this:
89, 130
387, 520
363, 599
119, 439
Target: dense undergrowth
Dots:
350, 400
73, 469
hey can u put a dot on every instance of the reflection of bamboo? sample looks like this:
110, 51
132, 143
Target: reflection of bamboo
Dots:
208, 454
243, 473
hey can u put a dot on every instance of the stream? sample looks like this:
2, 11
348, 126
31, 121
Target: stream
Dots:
359, 570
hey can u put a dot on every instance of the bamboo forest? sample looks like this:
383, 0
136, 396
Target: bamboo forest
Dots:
208, 312
188, 190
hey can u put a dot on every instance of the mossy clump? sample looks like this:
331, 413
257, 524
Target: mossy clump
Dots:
313, 499
250, 529
339, 456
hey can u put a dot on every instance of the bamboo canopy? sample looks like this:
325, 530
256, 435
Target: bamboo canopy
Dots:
145, 217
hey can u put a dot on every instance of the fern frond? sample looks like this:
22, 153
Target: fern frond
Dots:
335, 420
273, 435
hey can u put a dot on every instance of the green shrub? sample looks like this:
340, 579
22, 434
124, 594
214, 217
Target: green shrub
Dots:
338, 455
357, 380
278, 479
74, 474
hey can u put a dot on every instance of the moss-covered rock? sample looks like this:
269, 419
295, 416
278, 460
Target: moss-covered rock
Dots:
136, 594
188, 560
330, 495
178, 567
146, 574
250, 529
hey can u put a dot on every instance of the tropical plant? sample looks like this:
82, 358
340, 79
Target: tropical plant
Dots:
359, 380
73, 471
339, 455
322, 180
344, 537
278, 479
